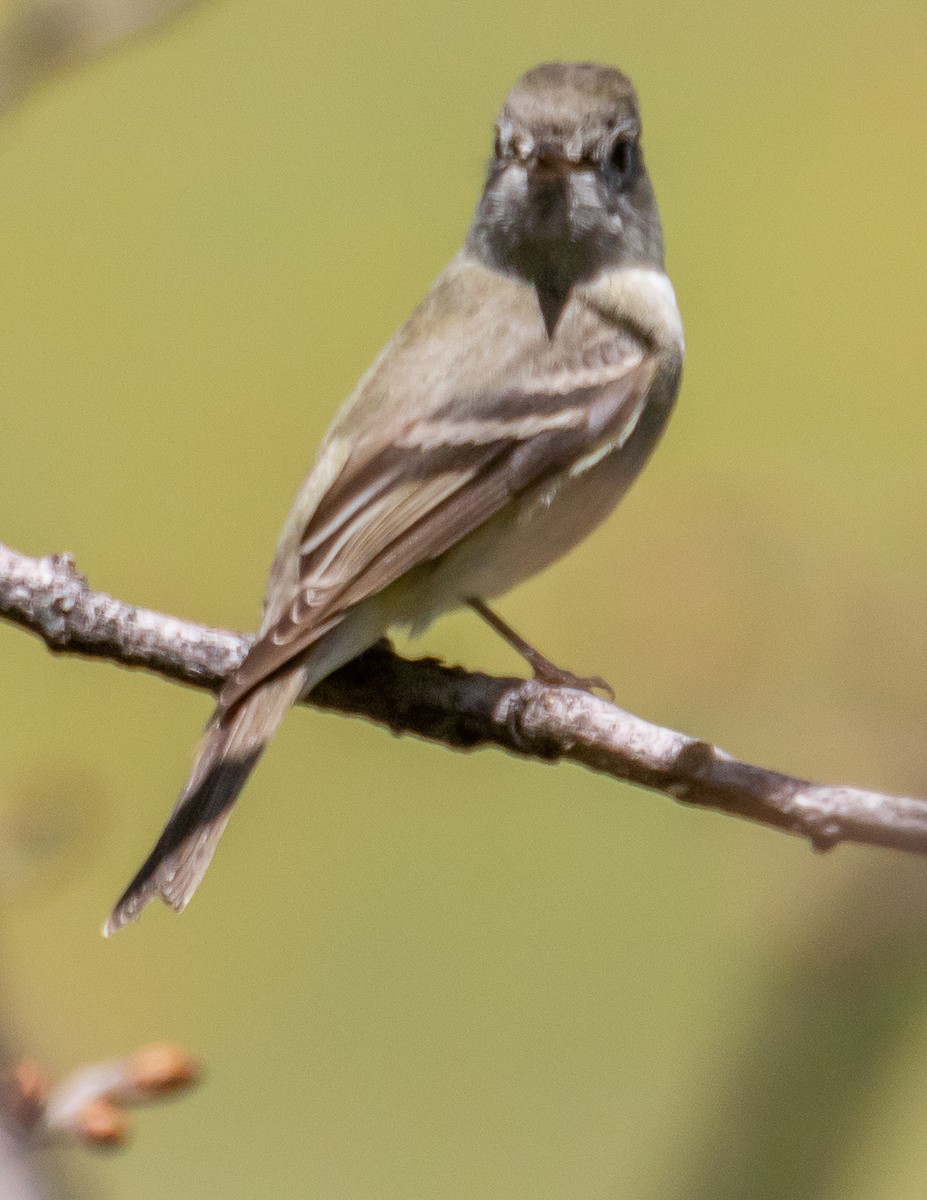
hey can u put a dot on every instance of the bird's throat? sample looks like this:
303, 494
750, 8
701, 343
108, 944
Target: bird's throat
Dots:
553, 293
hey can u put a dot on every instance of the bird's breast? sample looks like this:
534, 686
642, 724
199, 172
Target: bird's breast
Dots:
527, 536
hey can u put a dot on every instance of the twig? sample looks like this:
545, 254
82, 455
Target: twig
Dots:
89, 1106
463, 709
42, 37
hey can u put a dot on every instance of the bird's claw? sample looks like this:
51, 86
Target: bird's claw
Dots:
558, 677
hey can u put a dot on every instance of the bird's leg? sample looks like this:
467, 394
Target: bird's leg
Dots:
544, 670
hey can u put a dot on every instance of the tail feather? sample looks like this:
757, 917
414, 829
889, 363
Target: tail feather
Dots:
232, 745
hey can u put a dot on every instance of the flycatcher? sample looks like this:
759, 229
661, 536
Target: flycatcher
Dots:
500, 425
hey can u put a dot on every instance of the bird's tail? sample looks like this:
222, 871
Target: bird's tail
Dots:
232, 745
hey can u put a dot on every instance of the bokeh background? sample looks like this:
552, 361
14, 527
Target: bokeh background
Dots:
415, 974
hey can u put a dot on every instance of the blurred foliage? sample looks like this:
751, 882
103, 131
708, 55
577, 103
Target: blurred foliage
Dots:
411, 973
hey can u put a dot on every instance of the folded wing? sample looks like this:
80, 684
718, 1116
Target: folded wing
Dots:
395, 506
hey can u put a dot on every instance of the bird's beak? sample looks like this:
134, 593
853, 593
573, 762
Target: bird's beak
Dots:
549, 162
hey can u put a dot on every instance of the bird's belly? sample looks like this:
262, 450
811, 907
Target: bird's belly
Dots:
524, 538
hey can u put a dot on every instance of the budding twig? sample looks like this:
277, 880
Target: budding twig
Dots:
41, 37
89, 1106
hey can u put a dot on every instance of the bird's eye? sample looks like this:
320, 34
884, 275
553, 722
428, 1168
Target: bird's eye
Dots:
623, 160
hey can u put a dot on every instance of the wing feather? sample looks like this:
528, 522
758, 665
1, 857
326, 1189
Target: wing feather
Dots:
398, 506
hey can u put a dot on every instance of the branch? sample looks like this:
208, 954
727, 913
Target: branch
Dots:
463, 709
41, 37
89, 1106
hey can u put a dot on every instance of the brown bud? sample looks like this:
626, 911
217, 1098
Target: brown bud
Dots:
162, 1067
31, 1081
102, 1123
28, 1094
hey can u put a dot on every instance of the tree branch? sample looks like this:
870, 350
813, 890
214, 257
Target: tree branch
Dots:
463, 709
42, 37
90, 1105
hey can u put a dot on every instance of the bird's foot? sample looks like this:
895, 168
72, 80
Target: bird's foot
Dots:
553, 676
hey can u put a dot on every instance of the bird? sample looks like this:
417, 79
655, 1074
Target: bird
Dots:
501, 424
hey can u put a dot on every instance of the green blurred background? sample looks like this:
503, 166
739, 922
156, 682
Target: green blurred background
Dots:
414, 974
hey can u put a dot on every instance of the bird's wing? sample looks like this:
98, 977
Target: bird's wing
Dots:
395, 506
